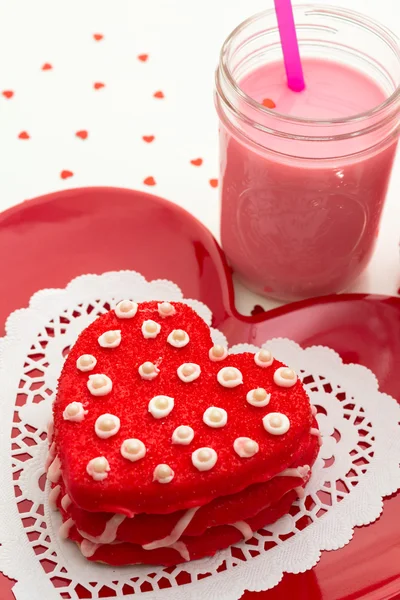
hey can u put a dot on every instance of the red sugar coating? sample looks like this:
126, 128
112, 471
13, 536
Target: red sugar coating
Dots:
144, 528
214, 539
129, 487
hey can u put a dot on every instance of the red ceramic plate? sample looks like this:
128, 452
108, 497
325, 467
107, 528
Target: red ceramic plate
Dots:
50, 240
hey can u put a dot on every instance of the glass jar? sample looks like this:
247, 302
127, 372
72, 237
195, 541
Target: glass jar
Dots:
301, 199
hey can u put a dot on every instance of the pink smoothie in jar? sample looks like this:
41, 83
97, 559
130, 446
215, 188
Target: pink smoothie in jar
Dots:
303, 182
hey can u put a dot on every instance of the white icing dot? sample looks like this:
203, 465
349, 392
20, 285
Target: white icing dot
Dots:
258, 397
285, 377
161, 406
276, 423
166, 309
133, 449
215, 417
99, 385
110, 339
178, 338
183, 435
245, 447
150, 329
86, 362
98, 468
230, 377
74, 412
163, 474
217, 353
204, 459
148, 370
106, 426
188, 372
126, 309
263, 358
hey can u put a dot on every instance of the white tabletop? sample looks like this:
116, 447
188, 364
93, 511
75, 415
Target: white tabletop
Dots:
180, 40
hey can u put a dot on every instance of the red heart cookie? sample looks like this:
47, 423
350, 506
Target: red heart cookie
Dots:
149, 419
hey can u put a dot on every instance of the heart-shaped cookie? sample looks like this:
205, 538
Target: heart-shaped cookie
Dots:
150, 418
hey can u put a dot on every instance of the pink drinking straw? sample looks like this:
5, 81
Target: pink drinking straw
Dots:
290, 45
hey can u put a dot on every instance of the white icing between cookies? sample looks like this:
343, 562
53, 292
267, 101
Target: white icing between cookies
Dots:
244, 529
65, 528
54, 471
66, 502
109, 534
176, 533
53, 497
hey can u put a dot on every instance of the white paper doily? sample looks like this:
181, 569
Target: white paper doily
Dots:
358, 465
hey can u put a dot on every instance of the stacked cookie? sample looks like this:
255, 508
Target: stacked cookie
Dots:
165, 448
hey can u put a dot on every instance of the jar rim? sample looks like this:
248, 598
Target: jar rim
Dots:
355, 17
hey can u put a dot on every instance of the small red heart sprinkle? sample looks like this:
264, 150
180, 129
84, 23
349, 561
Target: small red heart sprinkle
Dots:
197, 162
143, 57
158, 94
214, 183
98, 36
148, 138
257, 310
8, 94
82, 134
24, 135
268, 103
398, 291
66, 174
149, 181
47, 67
98, 85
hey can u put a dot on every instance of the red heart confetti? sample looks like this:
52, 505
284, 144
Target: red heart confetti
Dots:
158, 94
143, 57
214, 183
257, 310
24, 135
47, 67
98, 36
268, 103
82, 134
197, 162
98, 85
66, 174
148, 138
149, 181
8, 94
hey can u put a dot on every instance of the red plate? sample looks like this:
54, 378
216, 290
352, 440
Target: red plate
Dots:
48, 241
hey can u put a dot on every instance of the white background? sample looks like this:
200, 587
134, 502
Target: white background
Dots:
182, 39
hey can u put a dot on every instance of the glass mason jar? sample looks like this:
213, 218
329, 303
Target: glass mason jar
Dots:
301, 199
